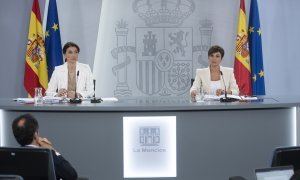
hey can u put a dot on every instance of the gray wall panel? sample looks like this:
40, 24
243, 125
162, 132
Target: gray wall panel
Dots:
208, 147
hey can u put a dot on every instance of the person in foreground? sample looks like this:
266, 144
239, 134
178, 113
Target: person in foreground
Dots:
210, 79
71, 76
296, 175
25, 130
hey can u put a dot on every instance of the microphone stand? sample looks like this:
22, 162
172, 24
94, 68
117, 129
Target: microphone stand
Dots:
76, 100
95, 100
226, 99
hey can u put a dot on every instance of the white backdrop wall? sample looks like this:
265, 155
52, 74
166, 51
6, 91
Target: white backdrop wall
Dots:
79, 21
132, 71
280, 27
279, 23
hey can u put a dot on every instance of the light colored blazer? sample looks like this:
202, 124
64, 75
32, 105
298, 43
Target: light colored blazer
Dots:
59, 79
202, 79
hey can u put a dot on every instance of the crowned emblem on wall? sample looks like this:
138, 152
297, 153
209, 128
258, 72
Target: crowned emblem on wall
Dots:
164, 49
163, 60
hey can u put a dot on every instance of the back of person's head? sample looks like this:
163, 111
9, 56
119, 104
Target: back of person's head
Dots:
24, 127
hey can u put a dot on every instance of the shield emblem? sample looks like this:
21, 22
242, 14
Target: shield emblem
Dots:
164, 60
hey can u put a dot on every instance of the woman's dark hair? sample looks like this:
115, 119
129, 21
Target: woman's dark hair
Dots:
215, 49
70, 44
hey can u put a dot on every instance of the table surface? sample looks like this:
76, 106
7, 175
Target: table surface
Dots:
208, 134
155, 104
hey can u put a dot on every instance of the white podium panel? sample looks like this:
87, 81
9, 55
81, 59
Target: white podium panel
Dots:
149, 146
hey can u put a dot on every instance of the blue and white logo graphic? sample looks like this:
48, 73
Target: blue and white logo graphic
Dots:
149, 146
149, 136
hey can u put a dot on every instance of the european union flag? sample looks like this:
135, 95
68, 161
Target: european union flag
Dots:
256, 54
52, 39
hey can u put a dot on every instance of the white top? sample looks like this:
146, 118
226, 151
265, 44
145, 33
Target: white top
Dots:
203, 80
59, 79
214, 85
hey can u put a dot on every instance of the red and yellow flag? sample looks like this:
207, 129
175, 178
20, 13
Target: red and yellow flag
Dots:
36, 74
242, 70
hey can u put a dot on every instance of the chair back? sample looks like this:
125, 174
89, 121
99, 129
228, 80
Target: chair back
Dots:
285, 156
29, 163
237, 178
10, 177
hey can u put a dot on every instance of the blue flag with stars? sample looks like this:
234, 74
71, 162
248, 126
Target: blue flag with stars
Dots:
256, 54
52, 39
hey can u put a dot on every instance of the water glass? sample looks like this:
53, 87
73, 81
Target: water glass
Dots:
38, 96
200, 97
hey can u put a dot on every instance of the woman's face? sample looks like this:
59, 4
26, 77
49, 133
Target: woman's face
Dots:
71, 55
215, 59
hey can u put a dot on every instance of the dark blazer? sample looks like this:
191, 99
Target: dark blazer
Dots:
296, 175
63, 169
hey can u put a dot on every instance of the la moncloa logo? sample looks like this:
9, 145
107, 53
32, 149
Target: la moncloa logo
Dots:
149, 136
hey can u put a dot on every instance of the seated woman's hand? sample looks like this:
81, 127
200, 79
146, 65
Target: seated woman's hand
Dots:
229, 92
71, 94
193, 94
62, 92
219, 92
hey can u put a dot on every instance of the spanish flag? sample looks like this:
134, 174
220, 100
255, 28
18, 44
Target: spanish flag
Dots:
36, 74
242, 70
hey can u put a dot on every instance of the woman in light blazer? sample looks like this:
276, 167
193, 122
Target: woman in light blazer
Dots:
210, 79
71, 76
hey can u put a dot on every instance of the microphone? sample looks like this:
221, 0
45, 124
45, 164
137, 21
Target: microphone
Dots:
76, 84
95, 100
76, 100
94, 83
226, 99
224, 84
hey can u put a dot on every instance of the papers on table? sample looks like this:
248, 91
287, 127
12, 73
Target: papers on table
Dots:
52, 100
56, 100
249, 98
24, 100
217, 98
103, 99
109, 99
46, 100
